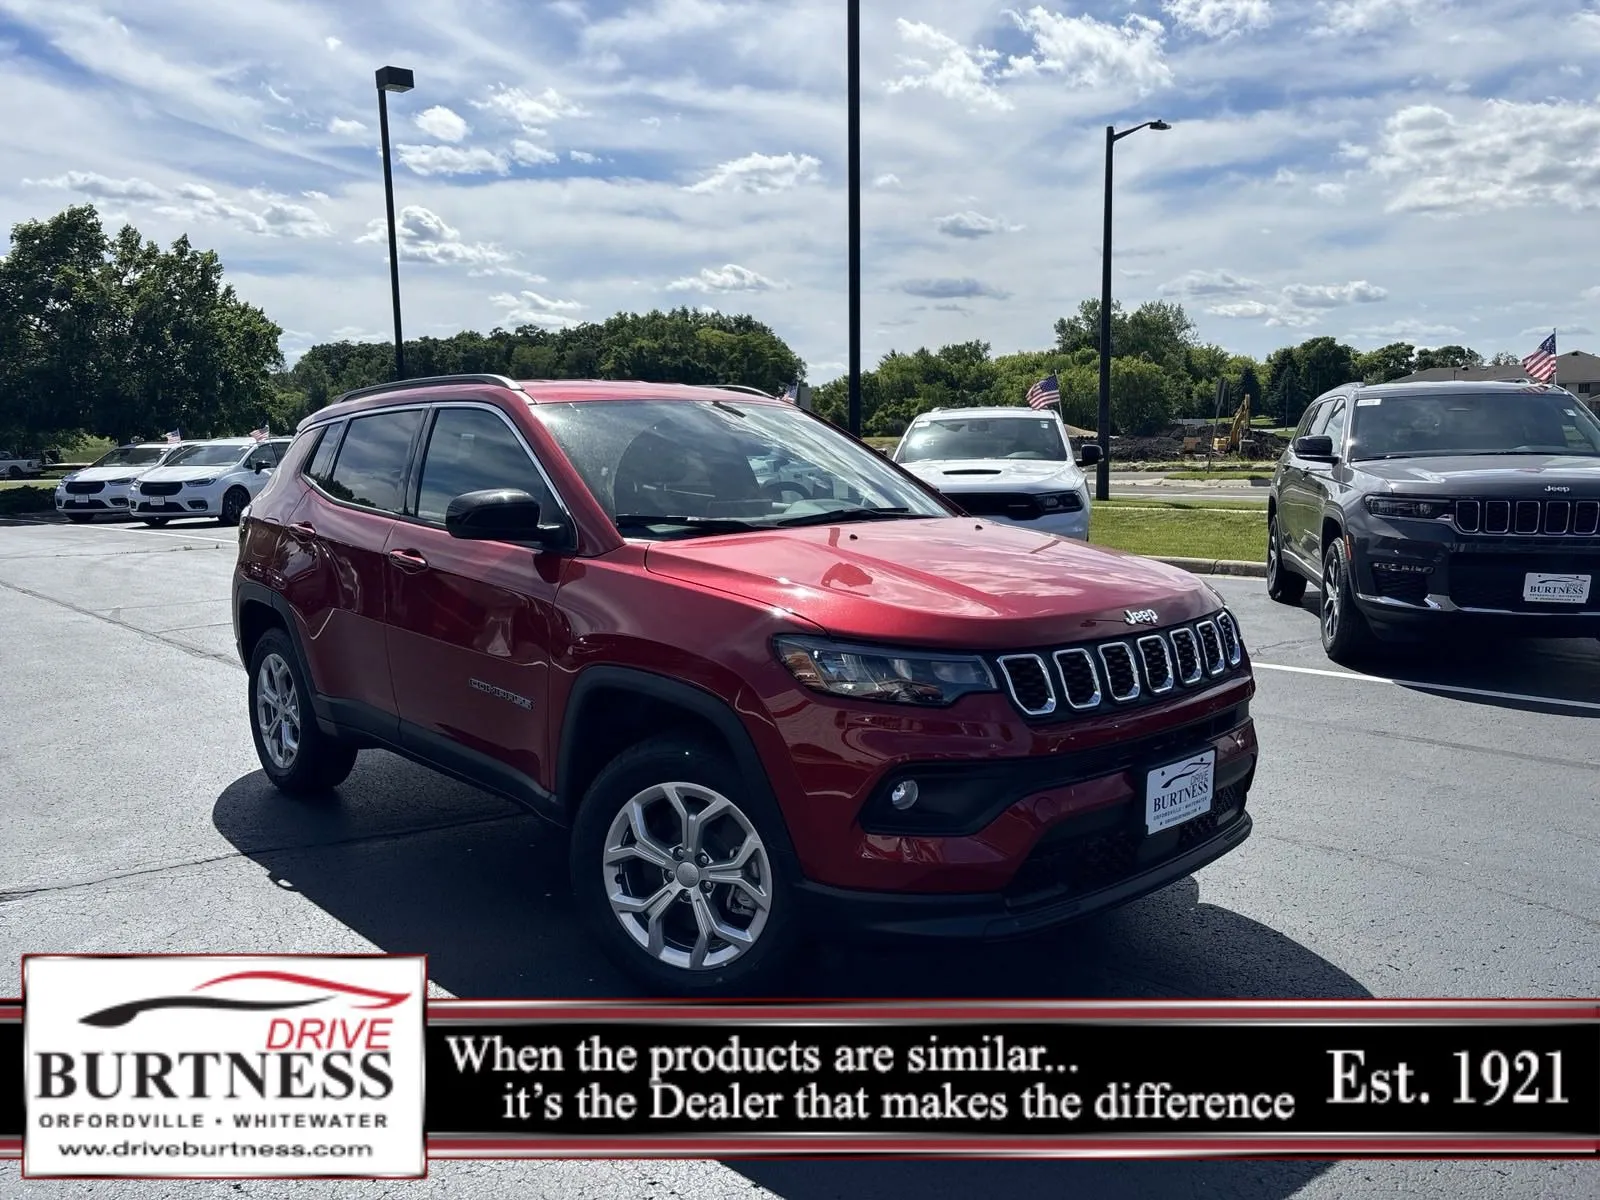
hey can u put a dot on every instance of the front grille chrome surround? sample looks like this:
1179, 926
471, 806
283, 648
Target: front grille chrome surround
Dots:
1029, 682
1156, 658
1528, 518
1186, 647
1211, 647
1232, 643
1125, 668
1077, 667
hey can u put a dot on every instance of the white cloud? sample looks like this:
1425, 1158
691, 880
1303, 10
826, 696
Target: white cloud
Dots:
444, 124
1220, 18
89, 183
1093, 54
1541, 331
582, 156
760, 174
531, 155
422, 235
1416, 330
1365, 16
344, 127
280, 218
1591, 293
957, 74
1504, 155
1333, 295
1241, 308
1208, 283
452, 160
530, 308
728, 278
887, 180
532, 113
1330, 191
971, 224
319, 197
332, 43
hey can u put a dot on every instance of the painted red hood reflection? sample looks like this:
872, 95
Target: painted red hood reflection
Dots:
951, 582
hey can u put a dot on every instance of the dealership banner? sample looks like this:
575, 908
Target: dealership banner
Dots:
341, 1067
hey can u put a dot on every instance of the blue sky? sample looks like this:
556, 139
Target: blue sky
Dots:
1379, 170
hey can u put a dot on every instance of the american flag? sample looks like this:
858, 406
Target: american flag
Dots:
1541, 364
1044, 393
792, 393
174, 436
261, 434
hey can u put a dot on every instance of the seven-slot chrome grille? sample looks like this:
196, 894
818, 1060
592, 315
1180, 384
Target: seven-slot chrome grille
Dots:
1529, 518
1123, 670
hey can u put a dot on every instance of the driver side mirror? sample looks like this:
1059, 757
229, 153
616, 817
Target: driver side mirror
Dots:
501, 515
1089, 454
1320, 447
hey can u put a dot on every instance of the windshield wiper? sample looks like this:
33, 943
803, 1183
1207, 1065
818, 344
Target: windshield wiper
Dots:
835, 515
709, 524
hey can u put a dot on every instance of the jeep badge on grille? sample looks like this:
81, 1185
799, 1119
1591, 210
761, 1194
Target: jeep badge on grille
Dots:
1140, 616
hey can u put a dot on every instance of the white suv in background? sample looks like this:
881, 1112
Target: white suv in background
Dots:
207, 479
105, 486
1012, 465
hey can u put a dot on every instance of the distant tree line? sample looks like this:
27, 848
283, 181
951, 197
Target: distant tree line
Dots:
117, 337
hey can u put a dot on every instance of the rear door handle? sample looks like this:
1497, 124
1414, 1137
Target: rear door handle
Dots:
408, 560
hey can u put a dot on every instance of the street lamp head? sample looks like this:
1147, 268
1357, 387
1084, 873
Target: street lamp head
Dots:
395, 79
1159, 125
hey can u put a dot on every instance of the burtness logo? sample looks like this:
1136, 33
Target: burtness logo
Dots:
209, 1066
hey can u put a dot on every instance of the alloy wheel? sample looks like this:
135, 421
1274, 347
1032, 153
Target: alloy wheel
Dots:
1272, 552
688, 876
278, 711
1332, 598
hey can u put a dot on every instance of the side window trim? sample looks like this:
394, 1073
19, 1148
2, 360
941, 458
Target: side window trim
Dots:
334, 430
414, 481
1338, 411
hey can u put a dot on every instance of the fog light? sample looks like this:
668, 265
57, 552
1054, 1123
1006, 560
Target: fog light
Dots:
904, 794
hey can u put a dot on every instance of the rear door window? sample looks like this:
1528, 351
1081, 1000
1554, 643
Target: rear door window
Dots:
370, 469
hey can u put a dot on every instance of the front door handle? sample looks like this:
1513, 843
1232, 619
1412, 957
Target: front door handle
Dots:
303, 531
408, 560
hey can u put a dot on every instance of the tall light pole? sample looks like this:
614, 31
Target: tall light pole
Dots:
392, 79
1102, 489
853, 53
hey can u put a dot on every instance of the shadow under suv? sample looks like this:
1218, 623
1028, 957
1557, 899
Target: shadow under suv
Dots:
1422, 507
754, 709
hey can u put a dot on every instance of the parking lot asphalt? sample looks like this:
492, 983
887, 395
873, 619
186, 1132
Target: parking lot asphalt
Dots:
1429, 832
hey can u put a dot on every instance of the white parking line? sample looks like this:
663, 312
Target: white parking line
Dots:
151, 533
1453, 689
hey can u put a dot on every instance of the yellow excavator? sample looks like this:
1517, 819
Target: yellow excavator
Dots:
1236, 432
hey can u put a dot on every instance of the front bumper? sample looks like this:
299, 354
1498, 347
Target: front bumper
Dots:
190, 502
1067, 525
1416, 585
995, 916
108, 501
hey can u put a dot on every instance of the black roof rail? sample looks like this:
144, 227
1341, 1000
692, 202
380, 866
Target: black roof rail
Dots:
402, 385
739, 387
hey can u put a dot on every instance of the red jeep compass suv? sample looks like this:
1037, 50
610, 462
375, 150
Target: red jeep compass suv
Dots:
760, 673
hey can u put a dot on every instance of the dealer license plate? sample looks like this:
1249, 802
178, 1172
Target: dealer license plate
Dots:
1542, 587
1179, 792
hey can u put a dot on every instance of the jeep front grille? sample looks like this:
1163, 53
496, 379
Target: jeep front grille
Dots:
1529, 518
1122, 676
1030, 684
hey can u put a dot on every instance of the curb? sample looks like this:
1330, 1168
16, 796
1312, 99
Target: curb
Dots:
1216, 566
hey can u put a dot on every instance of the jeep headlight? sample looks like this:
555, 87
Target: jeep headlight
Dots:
881, 673
1408, 506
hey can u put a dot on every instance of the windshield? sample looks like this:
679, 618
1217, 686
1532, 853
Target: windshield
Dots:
206, 456
674, 468
131, 456
1472, 423
1030, 437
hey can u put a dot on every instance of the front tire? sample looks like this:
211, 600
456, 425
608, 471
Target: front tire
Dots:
233, 504
1346, 636
295, 753
679, 874
1284, 584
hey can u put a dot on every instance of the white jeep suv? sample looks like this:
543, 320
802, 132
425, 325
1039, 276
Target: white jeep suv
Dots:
1013, 465
105, 486
207, 479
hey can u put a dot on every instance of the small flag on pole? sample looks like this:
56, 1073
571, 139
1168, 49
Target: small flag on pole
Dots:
174, 436
1044, 393
792, 393
1541, 364
261, 434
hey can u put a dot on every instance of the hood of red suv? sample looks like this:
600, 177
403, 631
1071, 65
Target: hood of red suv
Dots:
938, 582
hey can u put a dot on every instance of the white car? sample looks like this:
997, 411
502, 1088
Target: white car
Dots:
105, 487
208, 479
16, 466
1013, 465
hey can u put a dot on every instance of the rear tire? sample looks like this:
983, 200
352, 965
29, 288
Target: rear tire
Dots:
642, 837
1346, 636
14, 472
1284, 584
295, 753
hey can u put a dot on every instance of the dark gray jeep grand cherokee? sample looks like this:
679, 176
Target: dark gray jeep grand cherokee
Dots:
1431, 506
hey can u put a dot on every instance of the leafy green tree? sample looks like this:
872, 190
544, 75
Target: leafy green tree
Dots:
1141, 397
1447, 356
1286, 397
1504, 358
1386, 362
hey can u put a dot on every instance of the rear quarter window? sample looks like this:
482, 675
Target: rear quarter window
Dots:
320, 468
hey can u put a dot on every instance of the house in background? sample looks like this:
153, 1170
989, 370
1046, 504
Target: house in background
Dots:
1576, 370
